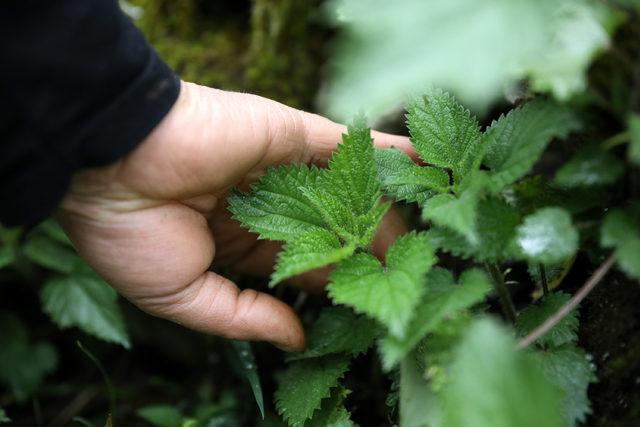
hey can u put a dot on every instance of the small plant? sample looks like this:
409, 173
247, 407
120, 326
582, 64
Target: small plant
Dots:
454, 365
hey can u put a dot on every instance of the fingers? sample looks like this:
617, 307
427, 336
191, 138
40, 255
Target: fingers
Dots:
214, 305
212, 139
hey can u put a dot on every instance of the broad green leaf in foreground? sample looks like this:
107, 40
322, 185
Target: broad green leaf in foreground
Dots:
621, 232
494, 385
515, 142
305, 383
418, 404
443, 298
84, 300
161, 415
339, 330
23, 365
460, 45
322, 215
571, 369
402, 179
547, 236
534, 315
332, 412
49, 253
388, 294
443, 132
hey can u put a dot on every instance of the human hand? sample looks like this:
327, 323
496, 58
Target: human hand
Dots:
153, 223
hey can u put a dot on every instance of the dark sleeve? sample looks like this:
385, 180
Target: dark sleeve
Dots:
79, 87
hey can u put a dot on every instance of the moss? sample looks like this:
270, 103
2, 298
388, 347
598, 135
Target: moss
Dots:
263, 47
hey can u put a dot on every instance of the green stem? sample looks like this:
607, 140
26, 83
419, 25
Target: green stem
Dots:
543, 279
107, 381
500, 286
615, 140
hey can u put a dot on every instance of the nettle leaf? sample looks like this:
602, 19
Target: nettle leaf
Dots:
388, 294
534, 315
590, 167
332, 412
458, 213
305, 383
23, 365
339, 330
277, 208
311, 250
547, 236
491, 384
84, 300
444, 133
496, 222
323, 215
443, 298
634, 133
571, 369
514, 142
621, 232
402, 179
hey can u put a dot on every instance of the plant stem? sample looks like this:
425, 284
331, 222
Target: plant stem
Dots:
615, 140
543, 279
508, 309
107, 381
569, 306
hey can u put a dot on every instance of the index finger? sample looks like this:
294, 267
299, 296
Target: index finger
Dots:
212, 139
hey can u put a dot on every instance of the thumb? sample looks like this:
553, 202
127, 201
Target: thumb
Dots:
215, 305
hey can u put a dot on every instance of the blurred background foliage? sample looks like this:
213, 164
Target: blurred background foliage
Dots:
71, 352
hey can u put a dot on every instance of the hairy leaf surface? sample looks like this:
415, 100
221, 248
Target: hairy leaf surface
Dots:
442, 299
622, 232
305, 383
514, 142
493, 385
533, 316
388, 294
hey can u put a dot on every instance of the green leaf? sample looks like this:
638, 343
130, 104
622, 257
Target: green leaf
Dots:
309, 251
621, 232
515, 142
634, 133
49, 253
590, 167
547, 236
570, 368
352, 176
388, 294
247, 362
23, 365
442, 299
534, 315
339, 330
418, 404
277, 208
84, 300
332, 412
444, 133
493, 385
3, 417
161, 415
305, 383
402, 179
496, 223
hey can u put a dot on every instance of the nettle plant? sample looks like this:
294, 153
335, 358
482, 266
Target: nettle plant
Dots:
452, 363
